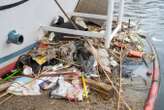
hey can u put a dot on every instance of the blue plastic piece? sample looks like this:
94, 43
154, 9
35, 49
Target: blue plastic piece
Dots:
14, 37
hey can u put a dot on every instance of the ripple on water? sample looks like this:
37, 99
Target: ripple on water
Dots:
151, 16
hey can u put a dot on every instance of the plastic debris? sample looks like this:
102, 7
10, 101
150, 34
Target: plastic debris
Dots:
129, 65
85, 58
27, 70
48, 82
45, 85
63, 89
80, 22
72, 68
141, 71
40, 59
14, 73
85, 93
25, 86
104, 57
75, 92
28, 60
51, 36
113, 62
133, 53
90, 67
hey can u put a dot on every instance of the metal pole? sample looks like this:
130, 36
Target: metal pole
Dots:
65, 14
121, 11
109, 23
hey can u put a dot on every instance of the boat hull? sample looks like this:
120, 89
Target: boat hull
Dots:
25, 17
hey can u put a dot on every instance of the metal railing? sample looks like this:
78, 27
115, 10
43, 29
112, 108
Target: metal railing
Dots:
109, 33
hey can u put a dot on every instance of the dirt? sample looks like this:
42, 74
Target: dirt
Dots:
43, 102
134, 94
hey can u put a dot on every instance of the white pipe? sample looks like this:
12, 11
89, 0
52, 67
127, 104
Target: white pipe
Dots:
121, 11
109, 23
114, 32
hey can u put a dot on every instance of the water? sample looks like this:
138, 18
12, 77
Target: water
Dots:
150, 14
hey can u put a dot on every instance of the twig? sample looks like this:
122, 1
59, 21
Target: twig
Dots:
6, 99
111, 52
4, 94
67, 62
105, 70
113, 86
120, 76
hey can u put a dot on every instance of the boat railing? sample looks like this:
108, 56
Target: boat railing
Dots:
109, 33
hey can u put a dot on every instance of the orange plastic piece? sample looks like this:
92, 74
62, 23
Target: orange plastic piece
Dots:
133, 53
43, 45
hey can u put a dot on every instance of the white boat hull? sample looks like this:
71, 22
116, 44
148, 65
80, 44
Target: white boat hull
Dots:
26, 19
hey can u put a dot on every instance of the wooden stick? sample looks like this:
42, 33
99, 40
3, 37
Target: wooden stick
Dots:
4, 94
105, 70
4, 86
124, 102
114, 54
67, 62
6, 99
120, 77
99, 85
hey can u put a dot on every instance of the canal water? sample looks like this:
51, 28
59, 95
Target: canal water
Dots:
150, 15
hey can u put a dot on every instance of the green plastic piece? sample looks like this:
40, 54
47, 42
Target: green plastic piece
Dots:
12, 75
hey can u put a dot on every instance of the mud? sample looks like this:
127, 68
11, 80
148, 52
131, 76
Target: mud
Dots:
44, 103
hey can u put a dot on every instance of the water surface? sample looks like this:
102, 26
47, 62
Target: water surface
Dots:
150, 14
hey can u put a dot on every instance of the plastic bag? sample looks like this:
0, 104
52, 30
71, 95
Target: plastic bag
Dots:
25, 86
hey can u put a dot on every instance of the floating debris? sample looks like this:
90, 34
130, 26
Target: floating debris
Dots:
74, 69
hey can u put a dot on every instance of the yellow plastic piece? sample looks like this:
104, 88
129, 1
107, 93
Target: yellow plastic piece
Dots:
40, 59
85, 93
